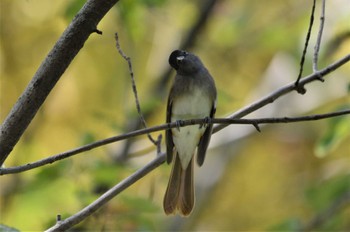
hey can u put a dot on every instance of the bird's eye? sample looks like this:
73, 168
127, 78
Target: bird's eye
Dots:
180, 58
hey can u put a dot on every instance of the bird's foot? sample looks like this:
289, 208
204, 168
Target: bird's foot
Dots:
179, 123
206, 122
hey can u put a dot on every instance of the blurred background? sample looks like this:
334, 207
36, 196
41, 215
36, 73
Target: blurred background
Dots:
288, 177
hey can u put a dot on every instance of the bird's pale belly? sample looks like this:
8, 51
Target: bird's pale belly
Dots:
186, 139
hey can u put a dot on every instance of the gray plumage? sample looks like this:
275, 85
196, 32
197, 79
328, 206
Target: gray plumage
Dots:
193, 95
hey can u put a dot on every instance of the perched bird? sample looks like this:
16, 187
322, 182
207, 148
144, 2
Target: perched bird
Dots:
193, 95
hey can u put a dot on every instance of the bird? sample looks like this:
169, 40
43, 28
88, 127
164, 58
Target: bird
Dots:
192, 95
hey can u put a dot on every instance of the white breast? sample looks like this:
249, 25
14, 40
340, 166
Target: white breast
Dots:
194, 105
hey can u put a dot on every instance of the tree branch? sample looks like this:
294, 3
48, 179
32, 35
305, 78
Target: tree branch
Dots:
71, 41
280, 120
319, 38
107, 196
134, 89
284, 90
301, 89
49, 72
201, 121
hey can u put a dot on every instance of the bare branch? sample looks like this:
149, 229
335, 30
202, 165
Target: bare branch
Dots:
301, 89
134, 89
41, 85
107, 196
81, 149
285, 90
319, 38
256, 122
49, 72
223, 121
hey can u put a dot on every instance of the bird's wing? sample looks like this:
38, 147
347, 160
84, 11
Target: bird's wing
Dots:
168, 135
205, 139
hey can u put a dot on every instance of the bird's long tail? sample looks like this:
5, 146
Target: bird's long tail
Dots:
179, 195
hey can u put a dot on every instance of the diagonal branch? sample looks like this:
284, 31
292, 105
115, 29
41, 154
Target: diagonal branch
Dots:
285, 90
50, 71
107, 196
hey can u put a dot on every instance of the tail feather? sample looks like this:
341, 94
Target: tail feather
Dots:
179, 195
174, 185
186, 195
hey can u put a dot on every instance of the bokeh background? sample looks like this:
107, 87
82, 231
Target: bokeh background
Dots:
279, 179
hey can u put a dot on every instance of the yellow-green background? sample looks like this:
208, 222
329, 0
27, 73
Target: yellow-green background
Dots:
271, 180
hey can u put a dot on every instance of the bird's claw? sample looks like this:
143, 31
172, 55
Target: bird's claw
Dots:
179, 123
207, 121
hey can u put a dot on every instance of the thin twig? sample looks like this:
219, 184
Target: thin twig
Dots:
134, 89
301, 89
107, 196
319, 37
223, 121
81, 149
259, 121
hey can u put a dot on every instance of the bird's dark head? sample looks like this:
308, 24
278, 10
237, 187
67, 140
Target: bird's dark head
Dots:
185, 62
